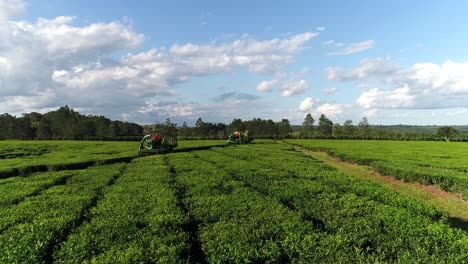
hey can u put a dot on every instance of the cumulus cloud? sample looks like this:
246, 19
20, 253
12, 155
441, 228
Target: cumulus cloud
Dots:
397, 98
350, 48
266, 86
35, 55
170, 109
367, 68
210, 111
62, 39
42, 100
422, 86
264, 57
10, 8
80, 66
157, 72
331, 110
293, 88
448, 78
307, 104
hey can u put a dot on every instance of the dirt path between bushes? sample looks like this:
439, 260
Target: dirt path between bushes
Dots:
452, 203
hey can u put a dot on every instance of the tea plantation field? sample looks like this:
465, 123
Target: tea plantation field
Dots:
23, 157
439, 163
258, 203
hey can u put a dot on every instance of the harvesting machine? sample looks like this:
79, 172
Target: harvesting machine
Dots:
239, 138
157, 144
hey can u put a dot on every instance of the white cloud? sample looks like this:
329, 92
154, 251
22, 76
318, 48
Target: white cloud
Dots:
10, 8
33, 56
307, 104
371, 113
157, 72
422, 86
346, 49
25, 104
397, 98
80, 66
447, 78
330, 91
269, 56
214, 111
286, 45
294, 88
367, 68
331, 110
59, 39
266, 86
170, 109
321, 28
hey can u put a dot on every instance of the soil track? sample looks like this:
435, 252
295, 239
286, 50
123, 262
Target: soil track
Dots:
451, 203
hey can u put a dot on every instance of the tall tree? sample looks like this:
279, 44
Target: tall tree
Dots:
284, 128
166, 128
308, 122
8, 128
307, 125
447, 132
200, 126
337, 131
44, 129
236, 125
348, 128
325, 126
102, 127
199, 122
271, 129
364, 128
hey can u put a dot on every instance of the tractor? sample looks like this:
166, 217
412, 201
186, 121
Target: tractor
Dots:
157, 144
239, 138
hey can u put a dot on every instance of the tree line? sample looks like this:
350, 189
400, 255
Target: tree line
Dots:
260, 128
66, 123
326, 129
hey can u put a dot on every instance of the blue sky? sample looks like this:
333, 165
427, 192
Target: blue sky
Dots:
395, 62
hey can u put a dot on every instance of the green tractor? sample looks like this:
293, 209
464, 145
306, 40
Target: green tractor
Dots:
157, 144
240, 138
